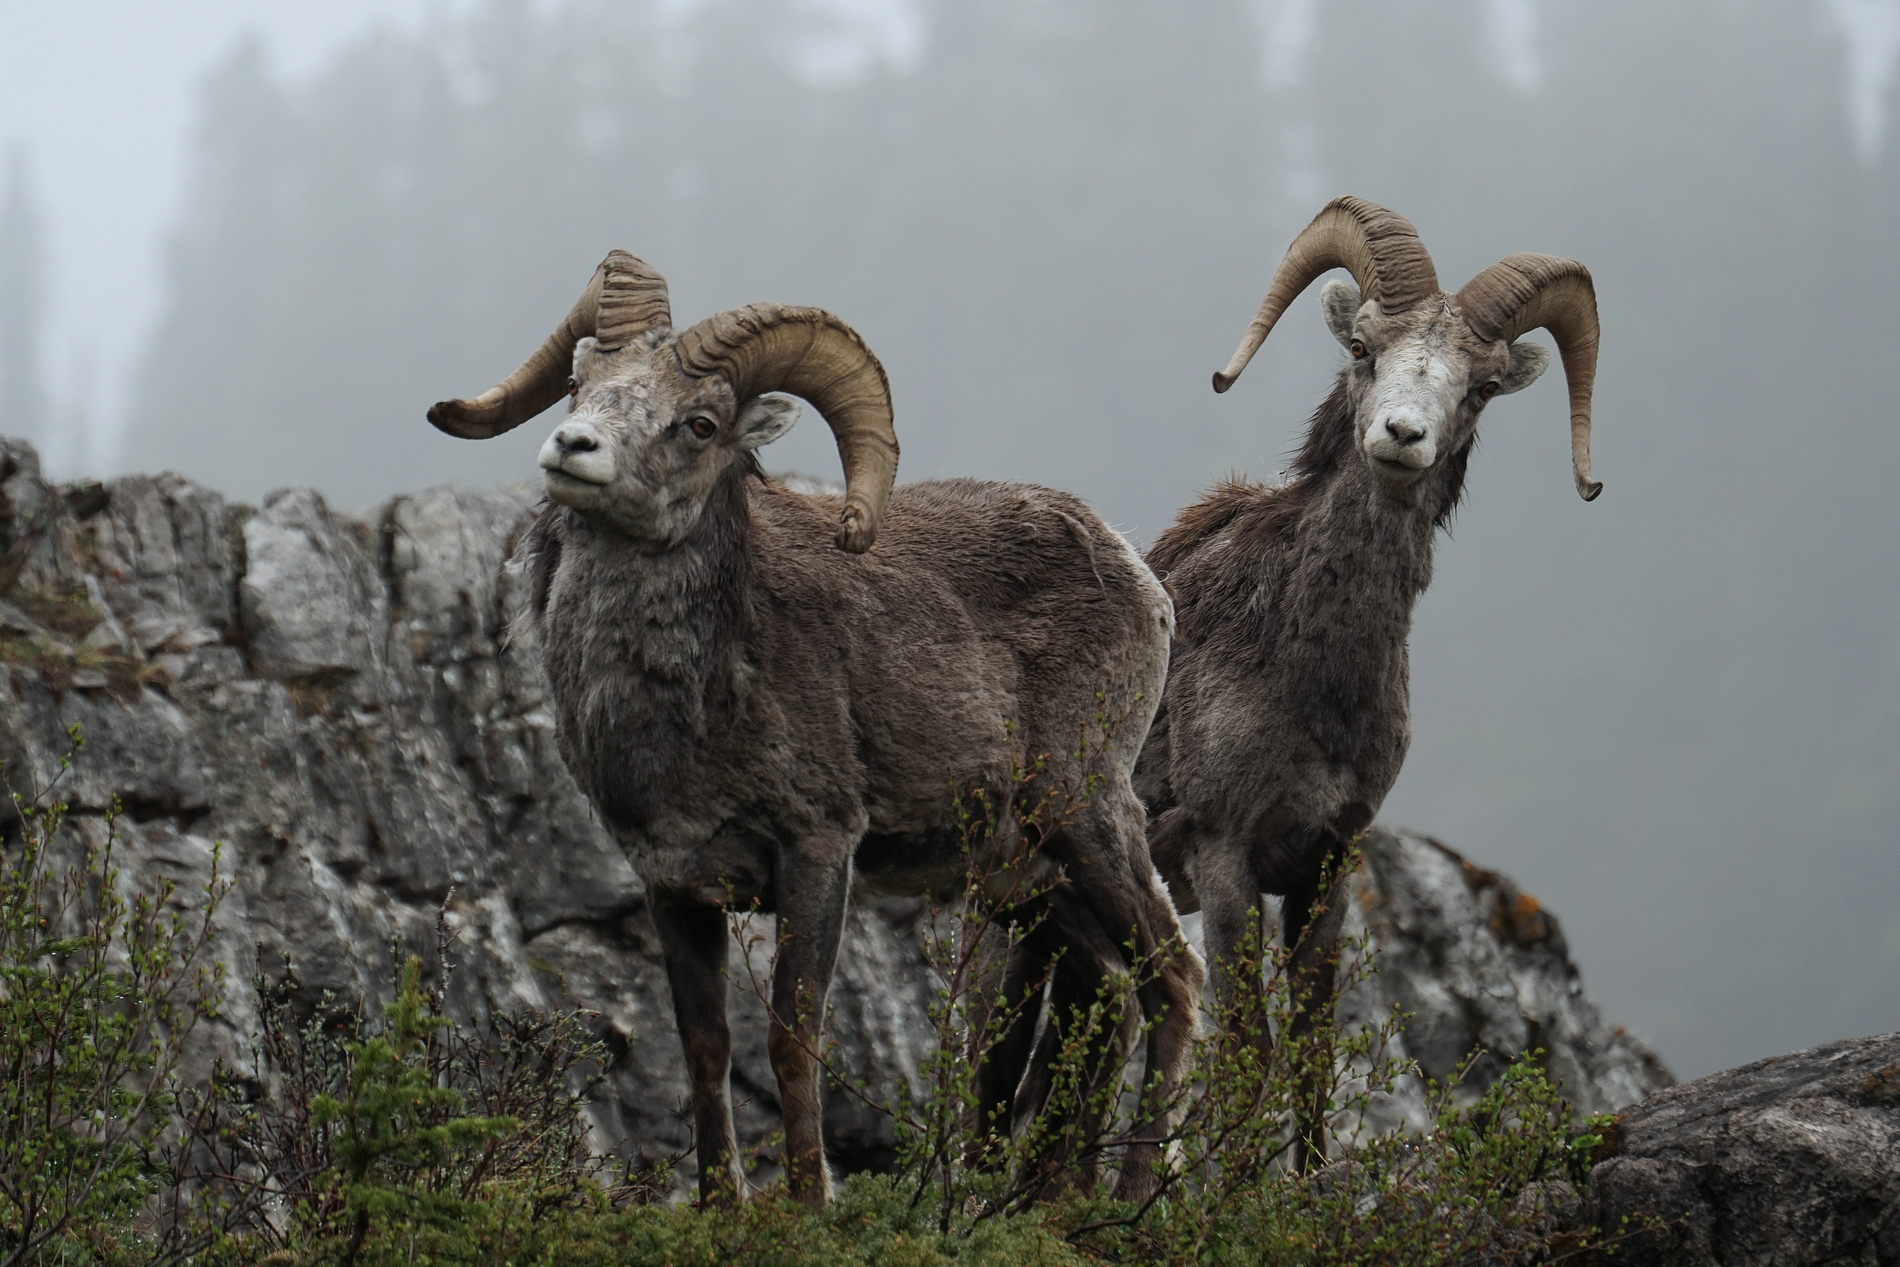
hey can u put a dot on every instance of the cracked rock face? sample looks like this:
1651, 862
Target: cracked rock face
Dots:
340, 704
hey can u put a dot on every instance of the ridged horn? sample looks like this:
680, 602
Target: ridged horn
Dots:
1522, 292
625, 299
1379, 248
810, 353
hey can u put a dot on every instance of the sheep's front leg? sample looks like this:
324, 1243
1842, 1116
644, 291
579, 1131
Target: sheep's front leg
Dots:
1224, 882
693, 940
813, 883
1312, 918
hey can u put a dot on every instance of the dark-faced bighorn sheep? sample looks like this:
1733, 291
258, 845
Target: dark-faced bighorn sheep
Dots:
762, 706
1286, 715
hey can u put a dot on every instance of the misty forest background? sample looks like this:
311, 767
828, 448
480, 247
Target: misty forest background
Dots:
1674, 713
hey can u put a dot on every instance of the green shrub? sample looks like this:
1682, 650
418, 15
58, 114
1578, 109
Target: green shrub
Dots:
417, 1140
98, 992
418, 1128
872, 1222
404, 1149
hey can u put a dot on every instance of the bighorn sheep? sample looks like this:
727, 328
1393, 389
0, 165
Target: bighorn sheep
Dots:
1286, 714
763, 707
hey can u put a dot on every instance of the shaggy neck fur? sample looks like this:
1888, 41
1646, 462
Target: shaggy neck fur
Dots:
657, 665
1352, 537
1333, 539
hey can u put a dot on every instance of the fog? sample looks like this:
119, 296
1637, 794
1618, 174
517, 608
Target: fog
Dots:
1674, 713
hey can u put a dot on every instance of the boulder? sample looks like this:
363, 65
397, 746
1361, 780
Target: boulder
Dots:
1792, 1161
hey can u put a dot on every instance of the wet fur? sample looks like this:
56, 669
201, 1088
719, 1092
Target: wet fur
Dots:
759, 716
1300, 598
1287, 711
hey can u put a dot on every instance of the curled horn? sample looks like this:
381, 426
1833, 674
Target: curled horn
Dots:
1522, 292
1379, 248
810, 353
625, 299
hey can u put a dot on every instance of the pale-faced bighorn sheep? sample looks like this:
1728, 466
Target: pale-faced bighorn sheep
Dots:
1286, 715
762, 706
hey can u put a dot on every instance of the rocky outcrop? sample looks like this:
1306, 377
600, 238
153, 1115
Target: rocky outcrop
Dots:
1480, 967
1789, 1161
341, 704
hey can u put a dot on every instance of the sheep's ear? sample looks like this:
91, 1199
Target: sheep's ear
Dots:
586, 352
1340, 302
764, 419
1528, 363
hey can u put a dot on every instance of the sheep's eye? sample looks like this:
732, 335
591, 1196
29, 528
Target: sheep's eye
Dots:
1357, 349
702, 427
573, 385
1487, 391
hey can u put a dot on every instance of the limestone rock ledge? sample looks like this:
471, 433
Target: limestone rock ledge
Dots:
340, 703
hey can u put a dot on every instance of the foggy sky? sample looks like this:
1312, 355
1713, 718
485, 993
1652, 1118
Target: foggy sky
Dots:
99, 95
1674, 713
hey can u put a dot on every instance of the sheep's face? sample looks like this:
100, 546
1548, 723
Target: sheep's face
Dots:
643, 445
1419, 379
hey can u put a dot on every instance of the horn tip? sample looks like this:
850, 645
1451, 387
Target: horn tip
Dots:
1223, 380
1588, 488
856, 530
459, 418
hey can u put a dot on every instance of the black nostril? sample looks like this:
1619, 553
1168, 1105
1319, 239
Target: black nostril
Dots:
578, 444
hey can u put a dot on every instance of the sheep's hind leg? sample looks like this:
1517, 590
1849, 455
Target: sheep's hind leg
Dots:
693, 940
999, 1047
1125, 898
1170, 1003
813, 885
1072, 1107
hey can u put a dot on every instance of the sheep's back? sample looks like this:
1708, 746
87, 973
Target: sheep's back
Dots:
1033, 567
1011, 591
